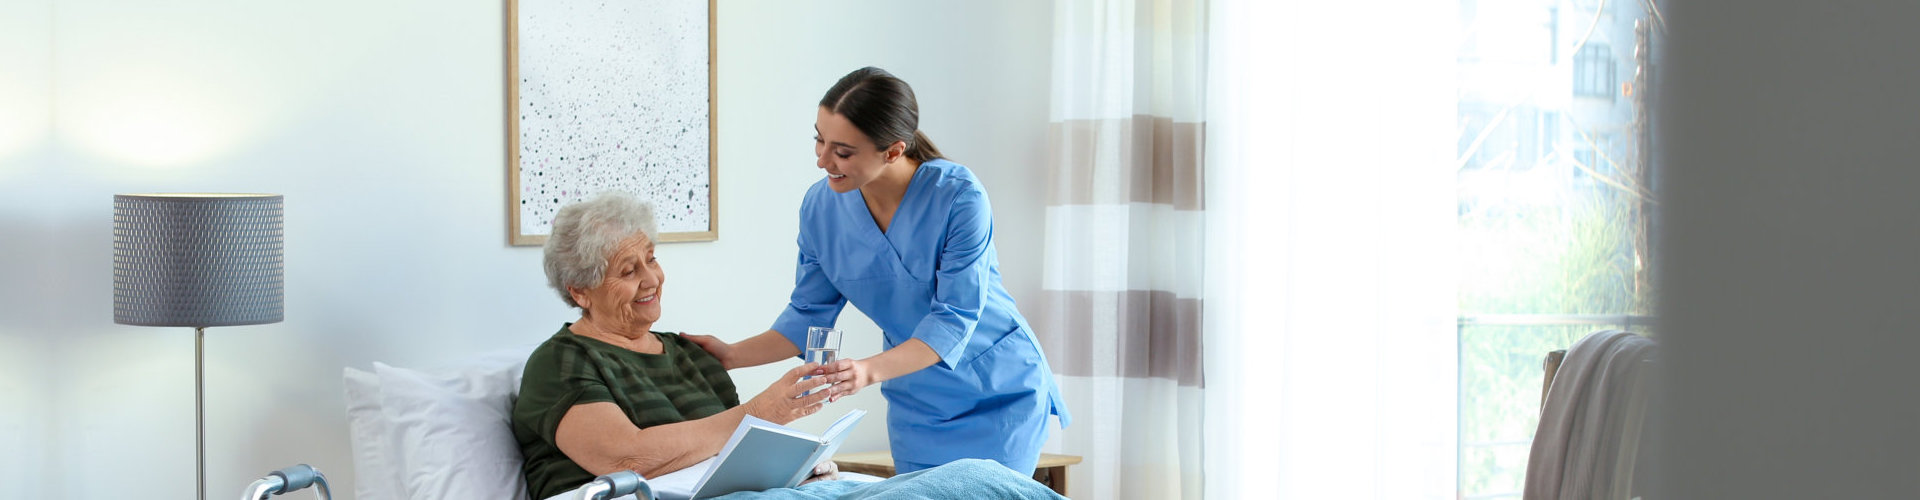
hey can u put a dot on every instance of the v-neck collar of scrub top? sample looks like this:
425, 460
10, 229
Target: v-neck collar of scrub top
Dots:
871, 227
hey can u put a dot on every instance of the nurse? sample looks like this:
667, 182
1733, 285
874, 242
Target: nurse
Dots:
907, 236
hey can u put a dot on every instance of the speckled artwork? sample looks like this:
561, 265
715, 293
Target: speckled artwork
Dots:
613, 95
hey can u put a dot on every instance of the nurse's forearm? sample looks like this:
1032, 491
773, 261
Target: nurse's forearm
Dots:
908, 357
762, 349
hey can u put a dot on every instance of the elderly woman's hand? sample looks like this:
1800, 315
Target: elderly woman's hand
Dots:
786, 400
825, 471
848, 376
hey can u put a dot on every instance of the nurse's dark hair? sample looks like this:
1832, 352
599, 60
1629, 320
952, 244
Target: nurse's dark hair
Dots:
881, 106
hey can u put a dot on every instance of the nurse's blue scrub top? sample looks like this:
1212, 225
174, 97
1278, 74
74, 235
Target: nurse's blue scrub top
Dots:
933, 276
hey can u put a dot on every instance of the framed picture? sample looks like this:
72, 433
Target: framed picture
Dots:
611, 95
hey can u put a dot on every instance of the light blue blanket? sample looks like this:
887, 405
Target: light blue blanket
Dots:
970, 479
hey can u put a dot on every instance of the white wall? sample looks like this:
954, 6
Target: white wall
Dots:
1791, 250
26, 382
382, 123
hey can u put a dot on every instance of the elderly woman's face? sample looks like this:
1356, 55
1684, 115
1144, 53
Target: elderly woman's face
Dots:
629, 294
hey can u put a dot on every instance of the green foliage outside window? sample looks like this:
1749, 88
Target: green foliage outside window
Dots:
1581, 255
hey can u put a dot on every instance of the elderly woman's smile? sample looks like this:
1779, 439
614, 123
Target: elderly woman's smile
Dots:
633, 277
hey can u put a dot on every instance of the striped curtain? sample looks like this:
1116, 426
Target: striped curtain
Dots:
1125, 234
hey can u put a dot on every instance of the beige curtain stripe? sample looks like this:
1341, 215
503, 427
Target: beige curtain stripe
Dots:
1159, 161
1126, 241
1158, 334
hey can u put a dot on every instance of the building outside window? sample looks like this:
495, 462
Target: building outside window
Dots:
1593, 74
1555, 203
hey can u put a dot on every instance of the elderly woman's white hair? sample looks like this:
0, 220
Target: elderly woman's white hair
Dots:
586, 233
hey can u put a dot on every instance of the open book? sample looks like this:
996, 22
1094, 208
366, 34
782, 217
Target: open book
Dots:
761, 455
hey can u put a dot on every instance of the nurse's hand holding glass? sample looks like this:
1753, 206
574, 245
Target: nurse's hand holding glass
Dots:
907, 236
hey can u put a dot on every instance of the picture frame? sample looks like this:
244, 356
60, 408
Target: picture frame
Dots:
612, 96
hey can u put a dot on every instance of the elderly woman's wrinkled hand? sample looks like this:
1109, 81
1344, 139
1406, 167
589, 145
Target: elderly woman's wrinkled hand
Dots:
825, 471
787, 399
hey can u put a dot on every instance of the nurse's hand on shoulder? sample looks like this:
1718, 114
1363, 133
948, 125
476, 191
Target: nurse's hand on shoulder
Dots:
720, 349
786, 400
848, 376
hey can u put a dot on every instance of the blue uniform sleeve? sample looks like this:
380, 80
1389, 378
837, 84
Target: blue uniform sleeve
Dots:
815, 301
961, 280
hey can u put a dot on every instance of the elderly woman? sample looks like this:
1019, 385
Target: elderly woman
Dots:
607, 393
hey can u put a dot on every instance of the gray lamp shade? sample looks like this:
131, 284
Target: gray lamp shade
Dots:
197, 259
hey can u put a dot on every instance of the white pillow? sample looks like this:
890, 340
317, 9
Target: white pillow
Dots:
441, 433
376, 467
454, 429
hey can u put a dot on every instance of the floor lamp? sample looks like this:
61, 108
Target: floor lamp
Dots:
197, 260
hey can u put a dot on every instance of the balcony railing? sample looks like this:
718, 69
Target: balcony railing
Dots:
1520, 368
1625, 320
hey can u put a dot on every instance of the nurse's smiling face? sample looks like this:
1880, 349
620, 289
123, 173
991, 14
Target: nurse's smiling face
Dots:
848, 155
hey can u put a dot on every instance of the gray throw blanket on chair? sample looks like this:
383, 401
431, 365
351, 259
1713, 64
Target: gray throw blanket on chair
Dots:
1589, 432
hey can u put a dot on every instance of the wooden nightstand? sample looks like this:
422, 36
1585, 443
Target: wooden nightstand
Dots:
1052, 470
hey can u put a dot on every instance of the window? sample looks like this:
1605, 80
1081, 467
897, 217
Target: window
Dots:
1593, 72
1555, 199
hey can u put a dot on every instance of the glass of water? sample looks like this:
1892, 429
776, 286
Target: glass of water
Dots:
823, 344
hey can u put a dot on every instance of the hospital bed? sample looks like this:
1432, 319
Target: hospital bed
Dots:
443, 432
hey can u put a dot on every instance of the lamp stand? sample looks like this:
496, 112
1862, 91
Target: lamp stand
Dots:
198, 260
199, 412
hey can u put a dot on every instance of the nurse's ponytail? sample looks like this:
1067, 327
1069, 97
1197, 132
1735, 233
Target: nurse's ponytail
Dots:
921, 148
883, 107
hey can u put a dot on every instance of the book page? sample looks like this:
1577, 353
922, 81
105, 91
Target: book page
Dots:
760, 456
680, 484
747, 422
764, 460
836, 434
838, 431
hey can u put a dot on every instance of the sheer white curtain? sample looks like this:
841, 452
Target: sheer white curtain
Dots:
1330, 329
1120, 313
